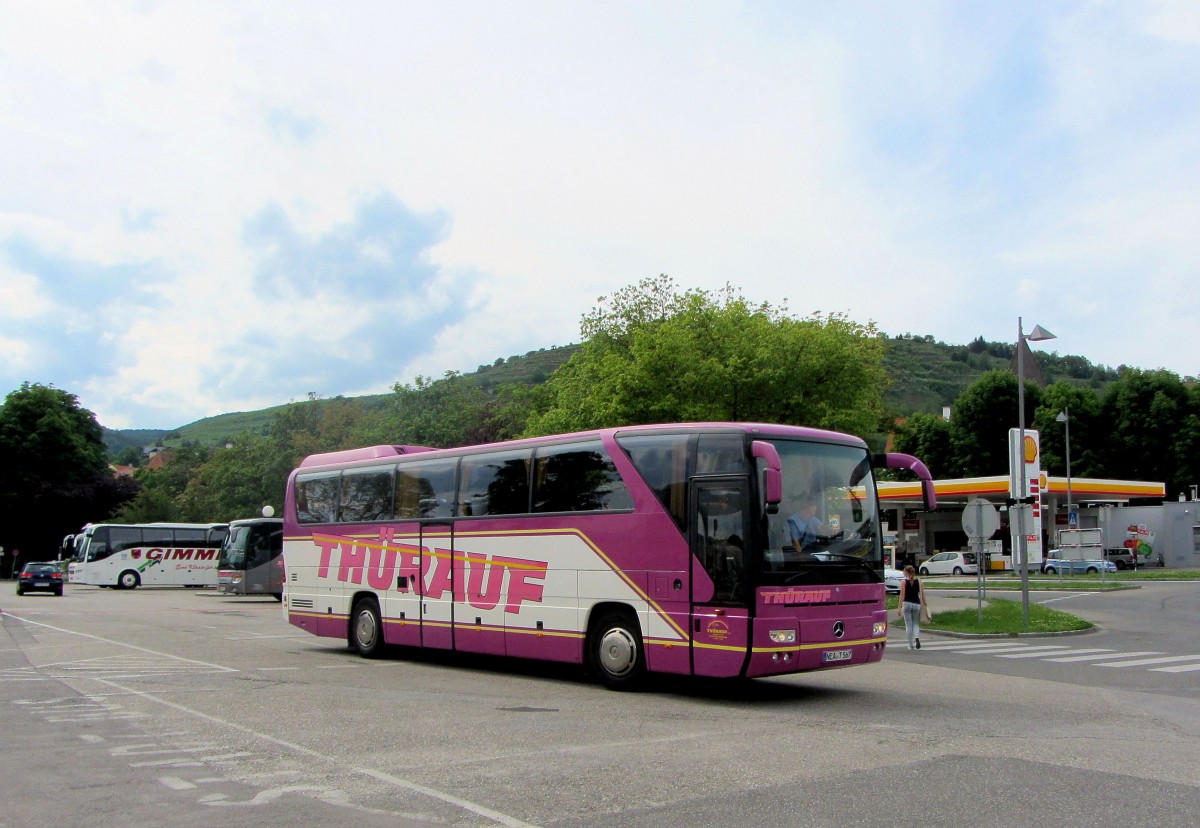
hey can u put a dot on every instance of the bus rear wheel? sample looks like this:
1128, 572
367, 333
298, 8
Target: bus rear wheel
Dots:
615, 652
366, 628
128, 580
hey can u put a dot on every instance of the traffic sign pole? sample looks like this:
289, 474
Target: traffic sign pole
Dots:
980, 521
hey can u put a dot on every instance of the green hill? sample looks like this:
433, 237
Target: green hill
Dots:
926, 375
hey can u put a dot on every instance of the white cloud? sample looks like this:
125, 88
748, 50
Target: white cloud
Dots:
20, 296
935, 168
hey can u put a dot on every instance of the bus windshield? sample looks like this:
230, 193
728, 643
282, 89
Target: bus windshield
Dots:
826, 529
233, 551
242, 539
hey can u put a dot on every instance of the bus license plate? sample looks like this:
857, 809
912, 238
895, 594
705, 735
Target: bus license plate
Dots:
837, 655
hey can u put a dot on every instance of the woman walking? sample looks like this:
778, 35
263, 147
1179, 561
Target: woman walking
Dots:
912, 599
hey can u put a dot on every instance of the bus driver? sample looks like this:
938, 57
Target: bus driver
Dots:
805, 529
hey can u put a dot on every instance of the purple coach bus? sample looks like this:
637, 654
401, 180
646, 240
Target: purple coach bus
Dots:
716, 549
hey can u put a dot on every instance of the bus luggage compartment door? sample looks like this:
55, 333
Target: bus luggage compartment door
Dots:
720, 636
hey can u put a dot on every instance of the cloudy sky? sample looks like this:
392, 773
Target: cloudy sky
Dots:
219, 206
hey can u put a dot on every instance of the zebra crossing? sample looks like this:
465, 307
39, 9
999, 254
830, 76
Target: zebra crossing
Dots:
1157, 662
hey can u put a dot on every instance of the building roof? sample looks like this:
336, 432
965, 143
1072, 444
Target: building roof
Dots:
958, 492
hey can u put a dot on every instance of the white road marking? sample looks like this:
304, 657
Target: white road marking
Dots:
379, 776
1179, 668
1102, 656
122, 644
982, 645
1144, 661
1037, 652
175, 783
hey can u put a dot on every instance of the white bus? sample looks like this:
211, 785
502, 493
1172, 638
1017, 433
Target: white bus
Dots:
151, 554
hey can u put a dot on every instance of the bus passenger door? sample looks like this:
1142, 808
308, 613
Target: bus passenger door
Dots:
720, 631
437, 585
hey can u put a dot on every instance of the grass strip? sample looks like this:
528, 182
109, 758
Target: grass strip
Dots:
1002, 617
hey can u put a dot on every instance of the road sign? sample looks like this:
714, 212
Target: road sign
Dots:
980, 520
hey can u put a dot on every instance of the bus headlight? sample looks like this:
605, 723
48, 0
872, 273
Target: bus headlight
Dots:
880, 629
783, 636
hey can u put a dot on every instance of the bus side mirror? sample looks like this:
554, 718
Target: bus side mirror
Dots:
772, 474
895, 460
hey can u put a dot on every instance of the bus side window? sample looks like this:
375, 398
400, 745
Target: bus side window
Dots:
317, 497
163, 538
366, 495
578, 478
720, 454
661, 460
259, 548
190, 537
495, 484
121, 538
425, 489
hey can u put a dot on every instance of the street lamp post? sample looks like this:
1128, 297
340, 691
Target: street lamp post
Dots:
1038, 334
1064, 417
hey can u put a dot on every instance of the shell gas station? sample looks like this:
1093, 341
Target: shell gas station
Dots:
1127, 513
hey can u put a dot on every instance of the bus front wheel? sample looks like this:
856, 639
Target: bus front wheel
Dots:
366, 628
615, 652
128, 580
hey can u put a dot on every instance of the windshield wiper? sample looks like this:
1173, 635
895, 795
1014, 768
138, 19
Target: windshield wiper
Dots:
862, 562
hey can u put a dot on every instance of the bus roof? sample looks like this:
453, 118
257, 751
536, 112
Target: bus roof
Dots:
369, 453
334, 458
91, 526
253, 520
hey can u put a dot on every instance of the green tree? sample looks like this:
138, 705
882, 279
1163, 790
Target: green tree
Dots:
982, 417
1082, 405
1187, 444
653, 354
235, 482
46, 436
452, 411
927, 436
54, 474
1149, 417
129, 456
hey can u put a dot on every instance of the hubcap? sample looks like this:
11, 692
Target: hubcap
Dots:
618, 652
366, 630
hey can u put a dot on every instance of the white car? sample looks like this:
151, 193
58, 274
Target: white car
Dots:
950, 563
892, 580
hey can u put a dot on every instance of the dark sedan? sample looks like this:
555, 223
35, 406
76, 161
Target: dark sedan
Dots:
40, 577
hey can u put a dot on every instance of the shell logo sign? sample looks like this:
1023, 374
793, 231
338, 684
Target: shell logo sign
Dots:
1031, 448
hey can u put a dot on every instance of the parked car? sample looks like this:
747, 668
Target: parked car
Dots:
892, 579
950, 563
1055, 563
1124, 558
1121, 556
40, 576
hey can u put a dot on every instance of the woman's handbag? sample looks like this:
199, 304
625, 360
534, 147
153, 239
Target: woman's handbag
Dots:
926, 618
